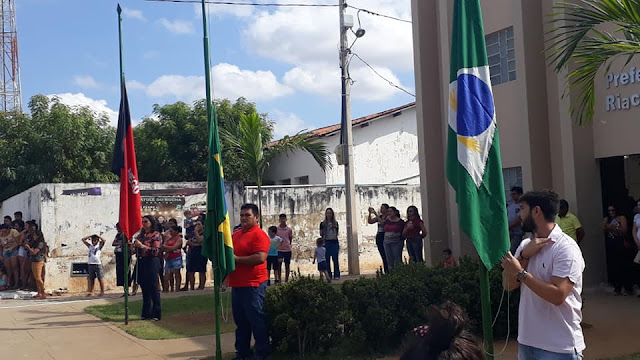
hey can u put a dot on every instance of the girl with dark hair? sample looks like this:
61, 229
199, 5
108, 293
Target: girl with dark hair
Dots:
173, 262
329, 233
10, 243
445, 337
19, 225
37, 249
414, 231
393, 243
619, 257
148, 243
379, 218
196, 263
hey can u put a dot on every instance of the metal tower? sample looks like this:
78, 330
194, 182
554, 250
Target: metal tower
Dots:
10, 91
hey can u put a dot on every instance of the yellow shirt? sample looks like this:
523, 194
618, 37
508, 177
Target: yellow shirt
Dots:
569, 224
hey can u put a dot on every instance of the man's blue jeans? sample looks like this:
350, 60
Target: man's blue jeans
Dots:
530, 353
248, 313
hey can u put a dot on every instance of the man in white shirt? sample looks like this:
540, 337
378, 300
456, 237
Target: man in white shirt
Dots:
548, 268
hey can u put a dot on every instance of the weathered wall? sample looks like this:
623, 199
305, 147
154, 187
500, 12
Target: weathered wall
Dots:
65, 219
305, 207
385, 151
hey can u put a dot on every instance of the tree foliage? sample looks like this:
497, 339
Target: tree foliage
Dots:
172, 145
55, 143
579, 37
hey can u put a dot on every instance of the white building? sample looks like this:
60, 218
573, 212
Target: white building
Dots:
385, 151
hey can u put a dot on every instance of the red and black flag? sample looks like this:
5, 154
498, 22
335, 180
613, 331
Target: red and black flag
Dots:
124, 165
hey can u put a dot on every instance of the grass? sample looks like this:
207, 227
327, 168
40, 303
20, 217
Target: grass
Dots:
182, 317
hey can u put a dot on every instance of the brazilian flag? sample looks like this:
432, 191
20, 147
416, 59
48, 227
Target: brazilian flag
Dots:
217, 244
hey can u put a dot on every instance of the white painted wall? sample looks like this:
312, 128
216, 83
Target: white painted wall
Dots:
305, 207
385, 152
65, 219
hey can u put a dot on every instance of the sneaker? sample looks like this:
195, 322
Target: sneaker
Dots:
155, 319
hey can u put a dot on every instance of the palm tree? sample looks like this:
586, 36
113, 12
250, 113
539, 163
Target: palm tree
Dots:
575, 39
255, 151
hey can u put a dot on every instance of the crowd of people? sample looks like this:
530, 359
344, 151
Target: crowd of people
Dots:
24, 253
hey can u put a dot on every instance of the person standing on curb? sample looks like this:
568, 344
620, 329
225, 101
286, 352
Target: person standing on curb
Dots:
249, 282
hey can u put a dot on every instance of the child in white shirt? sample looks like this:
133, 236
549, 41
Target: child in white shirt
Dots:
321, 255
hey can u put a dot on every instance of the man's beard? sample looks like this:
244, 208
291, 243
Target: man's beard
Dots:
528, 225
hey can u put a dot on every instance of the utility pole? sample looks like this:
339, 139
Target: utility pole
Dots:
347, 146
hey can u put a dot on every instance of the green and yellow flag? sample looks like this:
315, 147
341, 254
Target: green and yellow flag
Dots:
474, 168
217, 244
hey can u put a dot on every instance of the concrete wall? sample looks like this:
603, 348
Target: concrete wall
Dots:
65, 219
305, 207
385, 151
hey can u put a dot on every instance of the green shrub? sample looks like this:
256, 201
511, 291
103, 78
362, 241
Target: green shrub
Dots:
385, 308
304, 315
373, 315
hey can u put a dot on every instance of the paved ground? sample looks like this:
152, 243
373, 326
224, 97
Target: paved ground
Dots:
59, 329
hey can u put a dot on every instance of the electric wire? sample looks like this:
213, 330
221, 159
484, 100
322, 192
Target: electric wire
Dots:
382, 77
378, 14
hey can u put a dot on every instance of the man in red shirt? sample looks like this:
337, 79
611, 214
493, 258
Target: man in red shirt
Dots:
248, 282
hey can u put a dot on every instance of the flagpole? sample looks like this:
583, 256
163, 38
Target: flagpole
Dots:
126, 244
216, 271
485, 301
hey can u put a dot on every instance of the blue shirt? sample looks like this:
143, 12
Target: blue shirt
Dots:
275, 241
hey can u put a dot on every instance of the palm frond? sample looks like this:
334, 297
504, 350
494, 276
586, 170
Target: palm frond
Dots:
575, 38
302, 141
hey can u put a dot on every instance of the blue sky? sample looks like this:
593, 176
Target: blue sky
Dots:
283, 59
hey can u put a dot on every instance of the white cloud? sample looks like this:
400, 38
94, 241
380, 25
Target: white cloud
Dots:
224, 10
287, 33
135, 85
86, 82
98, 106
287, 124
314, 78
323, 79
308, 39
229, 82
177, 26
133, 14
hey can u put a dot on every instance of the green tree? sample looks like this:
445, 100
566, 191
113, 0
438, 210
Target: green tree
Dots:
172, 146
56, 143
255, 153
579, 41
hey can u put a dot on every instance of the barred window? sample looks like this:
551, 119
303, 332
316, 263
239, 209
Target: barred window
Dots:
501, 55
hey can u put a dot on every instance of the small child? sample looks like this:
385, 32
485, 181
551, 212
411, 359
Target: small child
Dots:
447, 259
321, 255
272, 257
3, 277
95, 264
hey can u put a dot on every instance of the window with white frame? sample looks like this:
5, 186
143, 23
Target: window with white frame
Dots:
502, 56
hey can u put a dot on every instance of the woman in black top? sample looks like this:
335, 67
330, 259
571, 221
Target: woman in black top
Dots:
149, 243
118, 250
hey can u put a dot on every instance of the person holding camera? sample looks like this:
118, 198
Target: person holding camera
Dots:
95, 264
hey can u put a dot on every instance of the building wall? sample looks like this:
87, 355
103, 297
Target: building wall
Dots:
385, 151
305, 207
536, 133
